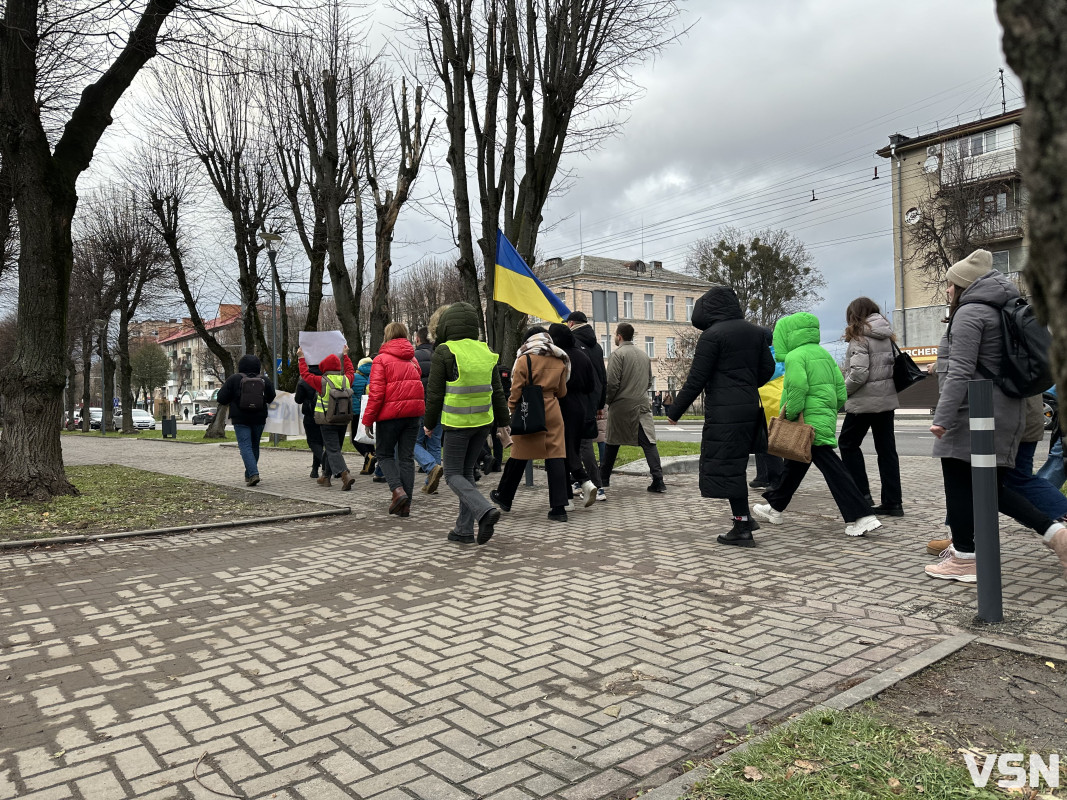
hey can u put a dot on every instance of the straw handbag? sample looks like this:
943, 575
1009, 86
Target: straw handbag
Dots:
792, 440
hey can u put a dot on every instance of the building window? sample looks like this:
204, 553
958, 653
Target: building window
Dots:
650, 346
1002, 261
605, 345
670, 307
649, 309
671, 352
689, 309
627, 305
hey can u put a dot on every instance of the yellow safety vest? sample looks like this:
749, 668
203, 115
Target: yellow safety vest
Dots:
468, 400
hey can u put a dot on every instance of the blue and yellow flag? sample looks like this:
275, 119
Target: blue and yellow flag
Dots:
515, 284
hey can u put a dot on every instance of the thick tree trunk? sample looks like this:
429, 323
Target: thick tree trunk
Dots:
107, 375
1035, 43
87, 371
379, 309
126, 398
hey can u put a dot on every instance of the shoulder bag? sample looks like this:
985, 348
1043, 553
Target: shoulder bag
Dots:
792, 440
905, 371
529, 414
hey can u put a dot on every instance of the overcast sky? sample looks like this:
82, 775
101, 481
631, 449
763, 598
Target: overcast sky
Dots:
761, 104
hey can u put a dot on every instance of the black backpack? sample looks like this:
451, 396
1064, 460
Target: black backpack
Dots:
251, 394
1025, 368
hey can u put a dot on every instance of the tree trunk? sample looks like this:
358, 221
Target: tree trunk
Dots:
1035, 43
379, 309
87, 371
72, 377
107, 385
126, 398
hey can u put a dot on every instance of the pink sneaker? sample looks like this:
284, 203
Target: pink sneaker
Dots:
1058, 545
954, 569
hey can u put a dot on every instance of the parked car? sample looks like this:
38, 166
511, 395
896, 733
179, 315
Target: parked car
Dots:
95, 416
142, 420
1052, 411
204, 417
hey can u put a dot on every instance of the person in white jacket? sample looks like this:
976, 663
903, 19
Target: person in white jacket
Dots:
872, 403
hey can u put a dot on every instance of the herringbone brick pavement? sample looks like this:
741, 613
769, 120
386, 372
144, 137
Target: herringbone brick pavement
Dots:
367, 657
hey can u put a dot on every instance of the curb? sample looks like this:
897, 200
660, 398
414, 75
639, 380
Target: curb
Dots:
86, 537
677, 788
672, 465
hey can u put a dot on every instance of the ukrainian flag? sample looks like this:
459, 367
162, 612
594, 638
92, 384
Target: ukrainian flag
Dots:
515, 284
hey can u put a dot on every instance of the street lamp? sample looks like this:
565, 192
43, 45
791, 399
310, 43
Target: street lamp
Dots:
273, 241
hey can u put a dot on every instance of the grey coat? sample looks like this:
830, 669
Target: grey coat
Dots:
629, 379
974, 337
869, 371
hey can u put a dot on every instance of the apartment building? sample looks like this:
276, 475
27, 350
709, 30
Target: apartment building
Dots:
656, 301
961, 186
195, 379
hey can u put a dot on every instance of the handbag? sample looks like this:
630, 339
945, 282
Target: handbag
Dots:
905, 371
791, 440
759, 442
361, 431
529, 414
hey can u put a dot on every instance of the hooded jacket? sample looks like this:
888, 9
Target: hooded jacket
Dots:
307, 397
731, 362
452, 324
359, 386
869, 370
424, 355
578, 406
585, 336
395, 389
974, 337
230, 393
813, 383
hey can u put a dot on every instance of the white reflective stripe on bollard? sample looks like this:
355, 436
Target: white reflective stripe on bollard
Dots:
986, 461
982, 424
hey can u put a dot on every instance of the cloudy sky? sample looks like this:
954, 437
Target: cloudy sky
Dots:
761, 104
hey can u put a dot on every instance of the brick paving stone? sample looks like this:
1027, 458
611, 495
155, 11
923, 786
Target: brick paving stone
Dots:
364, 654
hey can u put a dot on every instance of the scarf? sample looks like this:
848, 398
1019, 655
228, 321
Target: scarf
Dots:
540, 344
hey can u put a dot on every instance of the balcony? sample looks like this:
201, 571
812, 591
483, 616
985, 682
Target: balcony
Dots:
1000, 226
980, 168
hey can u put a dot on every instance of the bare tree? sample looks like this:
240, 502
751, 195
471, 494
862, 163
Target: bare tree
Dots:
422, 289
109, 42
411, 144
529, 81
150, 368
770, 270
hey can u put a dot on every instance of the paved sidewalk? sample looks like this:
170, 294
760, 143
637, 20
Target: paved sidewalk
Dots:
370, 658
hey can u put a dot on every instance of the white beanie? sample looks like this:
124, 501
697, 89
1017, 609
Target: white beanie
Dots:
964, 273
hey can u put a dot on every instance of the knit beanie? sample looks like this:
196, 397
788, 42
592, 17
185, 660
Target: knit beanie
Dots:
363, 361
964, 273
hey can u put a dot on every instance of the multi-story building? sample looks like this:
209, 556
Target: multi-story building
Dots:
955, 189
656, 301
195, 377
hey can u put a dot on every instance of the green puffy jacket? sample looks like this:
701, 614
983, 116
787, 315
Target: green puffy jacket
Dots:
814, 385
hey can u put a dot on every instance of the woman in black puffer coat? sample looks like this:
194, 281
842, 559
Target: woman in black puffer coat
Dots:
578, 407
731, 362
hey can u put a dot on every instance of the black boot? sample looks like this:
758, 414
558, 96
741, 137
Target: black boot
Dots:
657, 485
739, 535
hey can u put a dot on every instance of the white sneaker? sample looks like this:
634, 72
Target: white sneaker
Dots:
764, 513
601, 495
569, 506
588, 490
863, 525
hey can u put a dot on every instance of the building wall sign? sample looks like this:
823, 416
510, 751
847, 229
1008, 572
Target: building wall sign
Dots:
921, 355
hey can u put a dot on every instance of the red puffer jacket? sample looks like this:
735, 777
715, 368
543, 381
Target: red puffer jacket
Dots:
395, 389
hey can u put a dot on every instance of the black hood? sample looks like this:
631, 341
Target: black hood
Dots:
585, 334
717, 304
561, 335
249, 365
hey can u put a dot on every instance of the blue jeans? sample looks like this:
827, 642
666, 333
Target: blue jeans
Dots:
248, 437
1052, 470
1040, 492
428, 448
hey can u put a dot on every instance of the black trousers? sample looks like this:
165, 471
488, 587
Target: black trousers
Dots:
572, 438
848, 498
769, 468
611, 452
511, 477
853, 431
314, 437
959, 504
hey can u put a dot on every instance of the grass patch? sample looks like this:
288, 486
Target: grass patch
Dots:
183, 435
838, 755
117, 498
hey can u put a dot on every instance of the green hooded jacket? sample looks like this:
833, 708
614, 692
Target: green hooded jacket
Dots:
814, 385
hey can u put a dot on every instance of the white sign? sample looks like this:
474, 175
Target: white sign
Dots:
1012, 764
319, 344
284, 416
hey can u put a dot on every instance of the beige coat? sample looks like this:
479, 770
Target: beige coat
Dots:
550, 373
629, 380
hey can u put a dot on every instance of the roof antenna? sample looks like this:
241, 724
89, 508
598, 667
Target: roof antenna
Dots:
813, 197
581, 244
1003, 99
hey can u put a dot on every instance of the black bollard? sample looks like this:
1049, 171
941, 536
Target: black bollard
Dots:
984, 499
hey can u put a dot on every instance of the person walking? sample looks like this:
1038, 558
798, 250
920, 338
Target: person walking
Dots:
538, 363
427, 446
629, 376
306, 397
974, 340
731, 362
395, 404
872, 403
585, 336
359, 393
578, 408
464, 396
769, 468
335, 376
248, 393
813, 387
1053, 468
